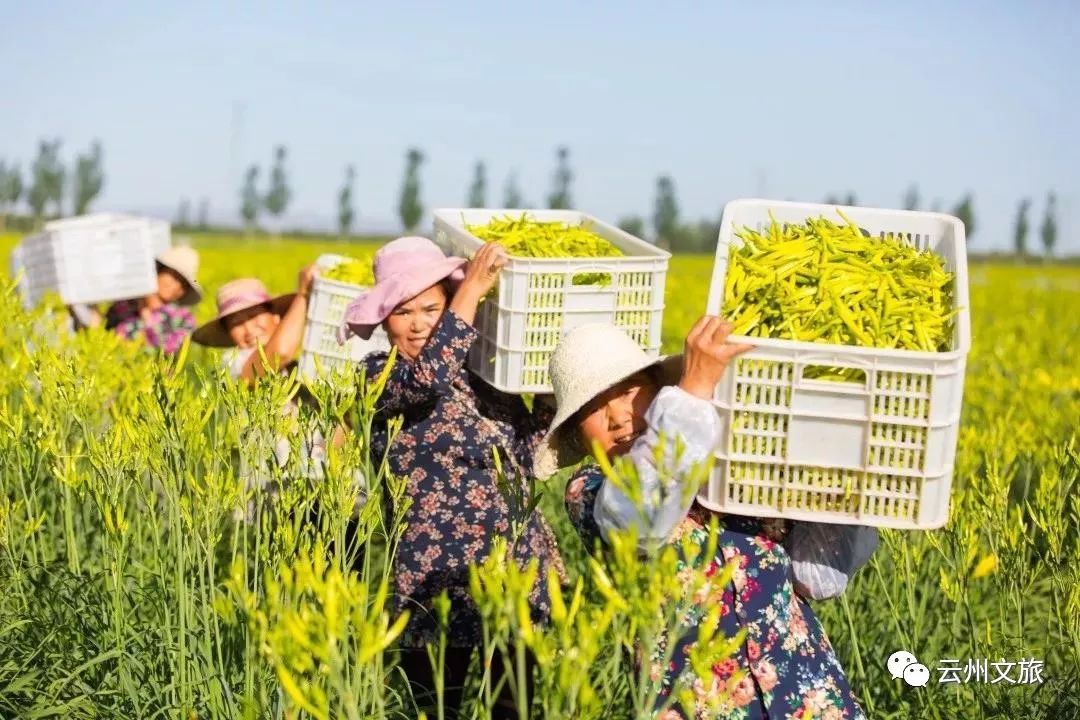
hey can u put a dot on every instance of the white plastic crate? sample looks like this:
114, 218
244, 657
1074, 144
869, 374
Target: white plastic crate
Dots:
322, 354
541, 299
158, 231
95, 258
878, 452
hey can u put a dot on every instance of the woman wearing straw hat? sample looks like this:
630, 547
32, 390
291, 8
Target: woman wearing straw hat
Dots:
162, 318
454, 423
609, 392
248, 317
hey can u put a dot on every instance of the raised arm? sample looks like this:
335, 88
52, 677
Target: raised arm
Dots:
431, 375
688, 428
285, 344
682, 420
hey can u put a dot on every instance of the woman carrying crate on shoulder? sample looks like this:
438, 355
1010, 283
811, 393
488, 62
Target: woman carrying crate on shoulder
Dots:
162, 318
248, 317
610, 392
454, 423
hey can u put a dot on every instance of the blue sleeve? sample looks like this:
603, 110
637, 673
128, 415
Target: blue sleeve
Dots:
681, 433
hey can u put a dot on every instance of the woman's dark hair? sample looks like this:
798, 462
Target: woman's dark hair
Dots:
656, 374
448, 293
180, 278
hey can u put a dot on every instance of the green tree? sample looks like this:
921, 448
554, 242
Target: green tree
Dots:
911, 198
345, 206
512, 193
55, 179
88, 180
47, 179
1020, 229
478, 188
183, 214
831, 199
666, 214
965, 211
410, 209
204, 214
249, 199
633, 224
560, 198
1049, 226
11, 188
850, 199
278, 194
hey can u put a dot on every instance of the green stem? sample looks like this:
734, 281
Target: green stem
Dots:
522, 684
69, 533
867, 698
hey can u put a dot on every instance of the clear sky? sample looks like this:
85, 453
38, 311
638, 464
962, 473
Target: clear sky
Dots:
783, 99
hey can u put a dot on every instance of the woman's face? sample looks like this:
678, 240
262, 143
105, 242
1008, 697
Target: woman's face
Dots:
409, 325
171, 287
616, 417
253, 326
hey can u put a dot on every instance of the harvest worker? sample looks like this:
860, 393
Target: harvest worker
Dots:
249, 317
162, 318
454, 423
609, 392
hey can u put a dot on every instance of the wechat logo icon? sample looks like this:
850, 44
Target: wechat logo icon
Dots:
903, 664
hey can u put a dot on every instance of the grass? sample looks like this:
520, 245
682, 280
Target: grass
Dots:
131, 591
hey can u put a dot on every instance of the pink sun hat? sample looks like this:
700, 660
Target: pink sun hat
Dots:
403, 269
233, 297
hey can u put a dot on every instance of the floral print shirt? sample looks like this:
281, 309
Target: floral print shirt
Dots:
166, 330
786, 667
453, 423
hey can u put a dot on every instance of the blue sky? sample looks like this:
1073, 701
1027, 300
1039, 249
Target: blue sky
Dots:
786, 99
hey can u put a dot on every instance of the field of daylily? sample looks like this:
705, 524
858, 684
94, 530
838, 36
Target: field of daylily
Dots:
131, 585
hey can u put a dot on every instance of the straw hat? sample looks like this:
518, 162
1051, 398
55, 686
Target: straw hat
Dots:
403, 269
233, 297
589, 360
184, 261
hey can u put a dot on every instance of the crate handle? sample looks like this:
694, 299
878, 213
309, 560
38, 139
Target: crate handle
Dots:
818, 370
585, 275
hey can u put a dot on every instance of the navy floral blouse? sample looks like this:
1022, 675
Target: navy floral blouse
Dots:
453, 421
786, 668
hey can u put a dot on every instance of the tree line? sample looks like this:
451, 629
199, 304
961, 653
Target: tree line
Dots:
50, 183
667, 227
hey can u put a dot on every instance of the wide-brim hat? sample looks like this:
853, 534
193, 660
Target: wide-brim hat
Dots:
403, 269
234, 297
184, 261
587, 361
